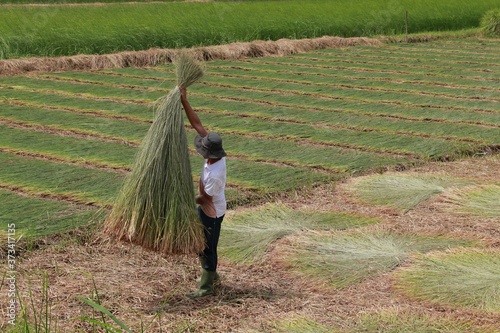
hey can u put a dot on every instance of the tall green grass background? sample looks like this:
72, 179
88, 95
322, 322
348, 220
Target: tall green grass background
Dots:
67, 30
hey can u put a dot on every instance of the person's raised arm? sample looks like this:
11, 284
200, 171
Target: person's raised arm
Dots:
193, 118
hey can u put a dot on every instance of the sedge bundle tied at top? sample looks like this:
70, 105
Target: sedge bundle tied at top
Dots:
156, 207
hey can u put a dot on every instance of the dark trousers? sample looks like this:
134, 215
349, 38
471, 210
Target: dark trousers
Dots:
208, 257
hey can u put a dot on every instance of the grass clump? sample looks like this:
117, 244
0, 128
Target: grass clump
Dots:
403, 192
156, 207
490, 23
246, 236
463, 277
345, 258
480, 200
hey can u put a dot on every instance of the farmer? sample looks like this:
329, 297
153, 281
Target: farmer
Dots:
210, 198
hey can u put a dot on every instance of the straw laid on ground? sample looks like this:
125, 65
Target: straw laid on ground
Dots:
461, 277
345, 258
478, 200
403, 192
247, 235
156, 207
154, 57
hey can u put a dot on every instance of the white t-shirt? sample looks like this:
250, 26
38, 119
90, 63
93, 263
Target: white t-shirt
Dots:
213, 177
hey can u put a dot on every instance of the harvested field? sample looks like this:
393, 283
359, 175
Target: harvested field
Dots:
302, 132
267, 295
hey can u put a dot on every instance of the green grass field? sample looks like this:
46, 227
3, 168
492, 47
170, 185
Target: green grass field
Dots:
67, 30
335, 113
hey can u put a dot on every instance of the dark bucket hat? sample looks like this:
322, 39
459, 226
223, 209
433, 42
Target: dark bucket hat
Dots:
209, 146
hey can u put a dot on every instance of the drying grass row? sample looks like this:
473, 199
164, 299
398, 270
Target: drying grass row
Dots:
88, 151
310, 82
463, 278
366, 141
478, 200
345, 94
374, 69
39, 176
431, 60
385, 143
321, 113
247, 173
80, 120
96, 150
36, 217
365, 116
261, 149
388, 142
351, 95
388, 321
345, 258
403, 192
335, 81
248, 235
371, 76
456, 112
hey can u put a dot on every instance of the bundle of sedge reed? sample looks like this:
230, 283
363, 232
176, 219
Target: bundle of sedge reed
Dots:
155, 207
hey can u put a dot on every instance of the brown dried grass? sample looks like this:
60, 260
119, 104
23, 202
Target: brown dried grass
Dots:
154, 57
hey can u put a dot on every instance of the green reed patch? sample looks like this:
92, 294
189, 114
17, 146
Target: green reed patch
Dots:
65, 30
247, 235
462, 278
345, 258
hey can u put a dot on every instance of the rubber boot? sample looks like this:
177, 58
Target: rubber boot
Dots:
216, 278
202, 264
206, 285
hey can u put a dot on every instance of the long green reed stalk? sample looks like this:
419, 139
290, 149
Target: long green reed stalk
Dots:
156, 207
